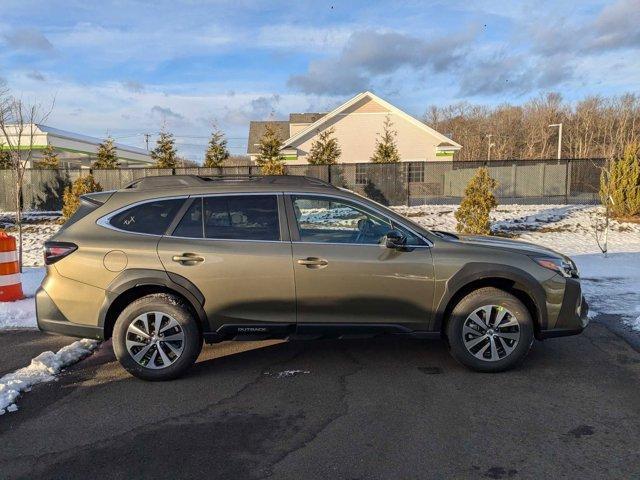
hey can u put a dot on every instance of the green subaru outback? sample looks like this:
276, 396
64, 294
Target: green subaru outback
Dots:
171, 261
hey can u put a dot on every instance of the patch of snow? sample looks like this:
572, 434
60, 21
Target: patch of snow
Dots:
565, 228
37, 227
22, 313
611, 284
288, 373
42, 369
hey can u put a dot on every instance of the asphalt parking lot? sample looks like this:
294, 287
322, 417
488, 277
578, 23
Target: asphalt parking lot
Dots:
385, 408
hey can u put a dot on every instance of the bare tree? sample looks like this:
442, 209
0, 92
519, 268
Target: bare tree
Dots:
594, 127
18, 125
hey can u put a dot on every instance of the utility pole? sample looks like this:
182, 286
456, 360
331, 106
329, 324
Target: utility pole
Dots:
559, 125
146, 140
490, 145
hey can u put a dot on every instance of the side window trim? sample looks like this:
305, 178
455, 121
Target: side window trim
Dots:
282, 227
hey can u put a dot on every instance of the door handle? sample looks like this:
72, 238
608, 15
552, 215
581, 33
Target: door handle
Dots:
312, 262
187, 258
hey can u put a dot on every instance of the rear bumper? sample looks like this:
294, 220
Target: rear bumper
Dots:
50, 319
573, 317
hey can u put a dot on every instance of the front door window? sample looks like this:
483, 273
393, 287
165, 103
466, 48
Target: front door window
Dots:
323, 220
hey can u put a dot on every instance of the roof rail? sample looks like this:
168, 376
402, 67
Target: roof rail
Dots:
158, 181
289, 180
161, 181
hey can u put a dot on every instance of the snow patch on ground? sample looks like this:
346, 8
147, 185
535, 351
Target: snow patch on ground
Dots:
611, 285
22, 313
287, 373
36, 229
42, 369
568, 229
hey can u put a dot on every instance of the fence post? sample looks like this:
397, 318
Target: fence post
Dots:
329, 172
514, 169
407, 166
567, 187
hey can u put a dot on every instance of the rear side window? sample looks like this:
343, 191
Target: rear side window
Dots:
251, 217
150, 217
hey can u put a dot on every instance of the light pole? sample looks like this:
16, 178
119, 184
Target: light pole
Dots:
490, 145
559, 125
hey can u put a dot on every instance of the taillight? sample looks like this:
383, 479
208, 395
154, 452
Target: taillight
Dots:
54, 251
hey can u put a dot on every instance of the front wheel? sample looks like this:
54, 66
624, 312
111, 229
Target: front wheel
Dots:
490, 330
156, 337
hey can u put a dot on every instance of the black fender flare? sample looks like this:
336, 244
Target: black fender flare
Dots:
477, 271
141, 277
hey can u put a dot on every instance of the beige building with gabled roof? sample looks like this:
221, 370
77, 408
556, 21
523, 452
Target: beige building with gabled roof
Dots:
356, 123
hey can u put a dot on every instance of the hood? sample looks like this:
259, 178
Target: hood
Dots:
508, 244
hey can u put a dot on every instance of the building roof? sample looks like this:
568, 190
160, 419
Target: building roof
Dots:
40, 136
87, 139
317, 124
257, 129
308, 117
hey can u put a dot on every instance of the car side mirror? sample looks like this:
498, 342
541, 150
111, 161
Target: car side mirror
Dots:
395, 239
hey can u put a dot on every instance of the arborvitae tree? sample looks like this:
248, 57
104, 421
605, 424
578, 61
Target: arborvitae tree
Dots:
49, 159
270, 159
71, 197
477, 203
217, 151
386, 150
325, 150
620, 184
106, 157
165, 153
5, 160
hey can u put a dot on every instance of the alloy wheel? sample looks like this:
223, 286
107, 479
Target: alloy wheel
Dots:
491, 333
155, 340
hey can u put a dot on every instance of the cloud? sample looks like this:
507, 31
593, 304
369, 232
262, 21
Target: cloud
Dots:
615, 27
305, 38
369, 54
514, 73
166, 113
27, 39
37, 76
133, 86
263, 106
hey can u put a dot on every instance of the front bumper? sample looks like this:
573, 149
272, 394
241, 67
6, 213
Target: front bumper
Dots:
51, 319
574, 312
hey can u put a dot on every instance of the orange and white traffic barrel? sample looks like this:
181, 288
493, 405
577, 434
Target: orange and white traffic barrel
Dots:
10, 284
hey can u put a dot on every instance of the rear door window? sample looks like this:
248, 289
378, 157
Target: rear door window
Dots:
231, 217
152, 217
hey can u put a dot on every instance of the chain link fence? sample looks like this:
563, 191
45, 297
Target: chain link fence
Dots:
405, 183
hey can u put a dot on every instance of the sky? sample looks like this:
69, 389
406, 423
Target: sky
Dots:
126, 68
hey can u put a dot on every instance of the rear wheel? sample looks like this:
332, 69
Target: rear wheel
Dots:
156, 337
490, 330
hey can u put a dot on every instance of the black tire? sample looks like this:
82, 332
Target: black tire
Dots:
174, 307
470, 304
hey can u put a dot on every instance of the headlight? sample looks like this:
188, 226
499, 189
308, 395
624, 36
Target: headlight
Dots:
563, 267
